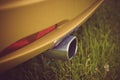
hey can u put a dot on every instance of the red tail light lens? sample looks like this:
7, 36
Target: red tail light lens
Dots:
25, 41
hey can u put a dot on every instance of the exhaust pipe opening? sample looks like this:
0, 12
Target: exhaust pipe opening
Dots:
64, 50
72, 48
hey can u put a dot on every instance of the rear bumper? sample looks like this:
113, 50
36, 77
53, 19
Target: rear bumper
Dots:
47, 41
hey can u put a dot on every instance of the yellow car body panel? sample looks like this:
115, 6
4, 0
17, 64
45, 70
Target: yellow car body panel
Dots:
22, 18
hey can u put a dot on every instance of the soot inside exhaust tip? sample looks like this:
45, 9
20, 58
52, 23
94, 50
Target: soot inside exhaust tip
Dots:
72, 48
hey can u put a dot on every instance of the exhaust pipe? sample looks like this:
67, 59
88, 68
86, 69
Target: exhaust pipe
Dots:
64, 49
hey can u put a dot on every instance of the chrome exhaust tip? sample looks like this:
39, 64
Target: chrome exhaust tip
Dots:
65, 49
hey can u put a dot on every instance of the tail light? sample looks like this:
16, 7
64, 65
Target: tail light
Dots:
25, 41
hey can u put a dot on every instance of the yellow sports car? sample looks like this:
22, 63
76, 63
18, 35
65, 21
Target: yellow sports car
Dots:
30, 27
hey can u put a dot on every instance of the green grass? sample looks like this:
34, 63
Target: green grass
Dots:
97, 57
